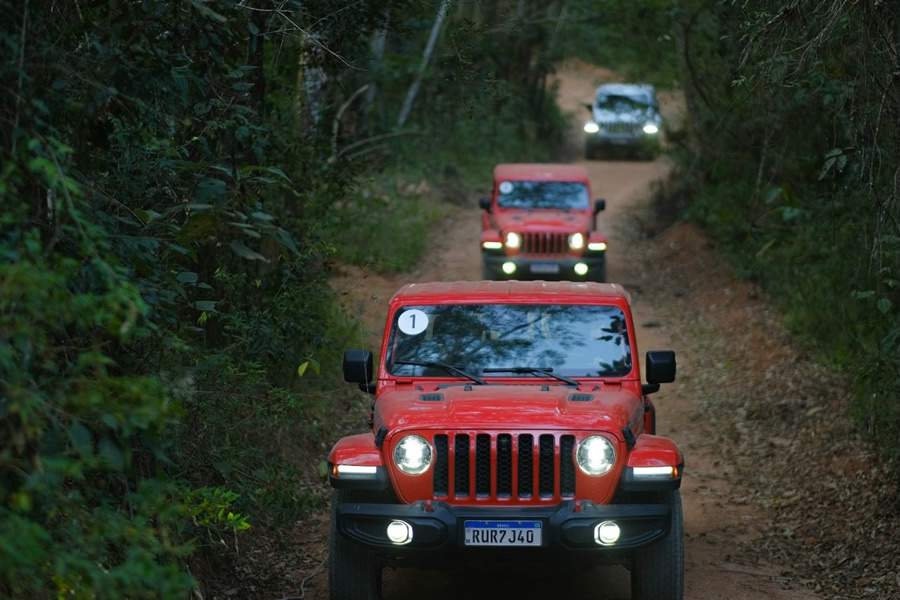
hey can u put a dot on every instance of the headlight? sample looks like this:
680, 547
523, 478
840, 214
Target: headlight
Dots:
513, 240
591, 127
651, 129
413, 455
576, 241
595, 455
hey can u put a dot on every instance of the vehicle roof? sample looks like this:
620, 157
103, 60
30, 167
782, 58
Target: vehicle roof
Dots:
539, 291
626, 89
540, 172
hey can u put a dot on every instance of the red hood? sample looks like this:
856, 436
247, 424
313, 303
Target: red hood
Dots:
511, 407
543, 220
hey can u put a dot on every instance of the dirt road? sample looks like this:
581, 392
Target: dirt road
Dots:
715, 568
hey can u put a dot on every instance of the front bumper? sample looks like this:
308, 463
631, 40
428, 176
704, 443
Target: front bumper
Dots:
546, 267
439, 527
613, 140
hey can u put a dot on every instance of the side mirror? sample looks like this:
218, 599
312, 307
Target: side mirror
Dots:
485, 204
599, 205
358, 368
589, 107
660, 366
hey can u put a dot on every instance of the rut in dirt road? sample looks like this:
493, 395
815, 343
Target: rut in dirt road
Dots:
715, 568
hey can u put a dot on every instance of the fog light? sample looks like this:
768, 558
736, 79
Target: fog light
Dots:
651, 129
607, 533
591, 127
581, 269
400, 532
509, 268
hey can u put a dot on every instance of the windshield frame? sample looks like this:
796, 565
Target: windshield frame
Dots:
397, 305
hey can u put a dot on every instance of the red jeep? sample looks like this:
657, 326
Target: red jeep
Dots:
510, 423
539, 222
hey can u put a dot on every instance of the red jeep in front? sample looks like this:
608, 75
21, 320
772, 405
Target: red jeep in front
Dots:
509, 422
539, 223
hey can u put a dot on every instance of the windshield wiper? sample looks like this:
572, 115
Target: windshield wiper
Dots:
548, 371
434, 364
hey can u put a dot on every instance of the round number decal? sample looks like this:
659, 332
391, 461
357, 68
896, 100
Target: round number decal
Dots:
506, 187
412, 322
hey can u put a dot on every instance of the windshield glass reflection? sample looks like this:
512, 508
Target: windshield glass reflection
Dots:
573, 340
543, 194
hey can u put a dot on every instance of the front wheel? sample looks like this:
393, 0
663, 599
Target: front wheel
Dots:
354, 571
658, 570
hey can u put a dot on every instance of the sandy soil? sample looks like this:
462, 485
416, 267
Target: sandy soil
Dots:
718, 530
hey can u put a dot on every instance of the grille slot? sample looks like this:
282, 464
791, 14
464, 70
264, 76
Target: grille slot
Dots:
461, 465
567, 466
544, 243
526, 465
504, 465
545, 472
499, 466
483, 464
441, 470
620, 127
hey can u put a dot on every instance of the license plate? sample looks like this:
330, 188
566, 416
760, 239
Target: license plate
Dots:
545, 268
503, 533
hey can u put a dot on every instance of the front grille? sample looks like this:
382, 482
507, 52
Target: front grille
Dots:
621, 128
545, 243
502, 466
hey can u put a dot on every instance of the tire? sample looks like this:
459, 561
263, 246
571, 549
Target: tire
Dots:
598, 274
657, 572
354, 571
487, 273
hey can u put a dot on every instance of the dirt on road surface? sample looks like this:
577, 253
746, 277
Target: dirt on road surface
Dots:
718, 530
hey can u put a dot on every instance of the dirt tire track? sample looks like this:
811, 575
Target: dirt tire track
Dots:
716, 526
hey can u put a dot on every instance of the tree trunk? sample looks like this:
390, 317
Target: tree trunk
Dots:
379, 37
426, 58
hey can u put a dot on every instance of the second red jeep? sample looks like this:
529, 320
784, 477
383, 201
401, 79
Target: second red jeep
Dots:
540, 223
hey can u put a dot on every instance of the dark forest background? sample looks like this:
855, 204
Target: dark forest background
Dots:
178, 179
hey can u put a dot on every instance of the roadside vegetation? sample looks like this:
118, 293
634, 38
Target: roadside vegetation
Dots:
793, 165
178, 180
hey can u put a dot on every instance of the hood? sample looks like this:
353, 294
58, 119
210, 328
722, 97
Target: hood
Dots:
510, 407
543, 220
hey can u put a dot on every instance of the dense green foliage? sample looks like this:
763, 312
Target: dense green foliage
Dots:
176, 178
794, 167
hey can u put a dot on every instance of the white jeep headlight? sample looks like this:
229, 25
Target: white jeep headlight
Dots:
513, 240
413, 455
576, 241
651, 129
591, 127
595, 455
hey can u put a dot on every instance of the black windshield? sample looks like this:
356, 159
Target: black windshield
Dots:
542, 194
575, 340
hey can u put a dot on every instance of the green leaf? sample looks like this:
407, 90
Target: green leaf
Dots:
206, 305
81, 438
207, 12
301, 369
243, 251
187, 277
112, 454
885, 305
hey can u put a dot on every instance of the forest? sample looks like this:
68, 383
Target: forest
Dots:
179, 179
